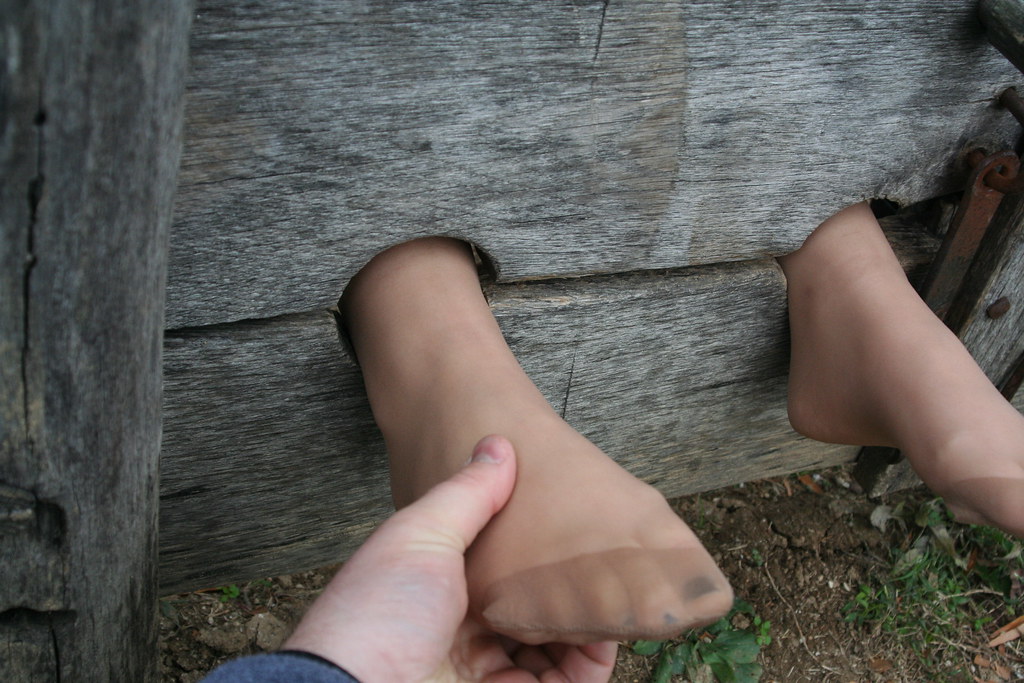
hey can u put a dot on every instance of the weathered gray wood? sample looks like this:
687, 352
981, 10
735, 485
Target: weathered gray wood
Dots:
28, 652
90, 120
271, 461
565, 138
1018, 401
1004, 23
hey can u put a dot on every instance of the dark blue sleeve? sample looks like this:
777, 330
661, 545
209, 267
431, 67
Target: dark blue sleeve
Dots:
280, 667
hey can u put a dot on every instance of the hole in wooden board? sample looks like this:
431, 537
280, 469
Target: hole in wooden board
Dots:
485, 270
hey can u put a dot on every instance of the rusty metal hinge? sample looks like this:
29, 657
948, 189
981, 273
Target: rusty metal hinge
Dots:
992, 177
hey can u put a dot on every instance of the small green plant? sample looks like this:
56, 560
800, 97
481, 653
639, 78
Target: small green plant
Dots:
719, 652
763, 634
944, 582
229, 592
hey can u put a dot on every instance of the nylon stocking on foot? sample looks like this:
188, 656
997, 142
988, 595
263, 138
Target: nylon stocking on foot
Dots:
871, 365
583, 551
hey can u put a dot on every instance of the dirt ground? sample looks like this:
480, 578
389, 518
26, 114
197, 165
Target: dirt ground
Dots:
796, 549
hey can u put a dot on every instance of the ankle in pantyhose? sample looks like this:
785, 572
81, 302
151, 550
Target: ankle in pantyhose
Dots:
871, 365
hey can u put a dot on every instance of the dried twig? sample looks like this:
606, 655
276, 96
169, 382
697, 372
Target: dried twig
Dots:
975, 591
1019, 621
1008, 632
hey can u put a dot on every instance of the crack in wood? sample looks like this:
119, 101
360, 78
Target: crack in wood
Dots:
600, 28
35, 195
31, 642
568, 384
55, 644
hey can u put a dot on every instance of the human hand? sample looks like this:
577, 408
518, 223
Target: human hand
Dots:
396, 611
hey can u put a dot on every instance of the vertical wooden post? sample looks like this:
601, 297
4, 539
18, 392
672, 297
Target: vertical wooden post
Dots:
90, 119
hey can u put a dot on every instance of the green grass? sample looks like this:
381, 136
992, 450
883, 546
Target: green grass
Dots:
946, 585
719, 652
229, 592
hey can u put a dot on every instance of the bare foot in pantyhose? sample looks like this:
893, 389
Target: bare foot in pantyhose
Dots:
584, 551
871, 365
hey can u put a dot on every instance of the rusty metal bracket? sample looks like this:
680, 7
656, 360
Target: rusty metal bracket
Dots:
1011, 100
992, 177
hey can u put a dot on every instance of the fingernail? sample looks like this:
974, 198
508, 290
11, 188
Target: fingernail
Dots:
490, 450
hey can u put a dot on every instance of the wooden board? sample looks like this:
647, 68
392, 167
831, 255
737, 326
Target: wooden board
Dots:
91, 97
271, 461
998, 272
565, 138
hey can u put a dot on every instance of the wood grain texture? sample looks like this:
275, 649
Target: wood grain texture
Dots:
90, 121
271, 462
28, 648
565, 138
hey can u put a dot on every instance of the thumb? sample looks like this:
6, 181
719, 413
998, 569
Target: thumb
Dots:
456, 510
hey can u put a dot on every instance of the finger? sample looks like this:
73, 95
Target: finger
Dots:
454, 511
512, 674
556, 651
509, 645
534, 660
588, 663
477, 653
